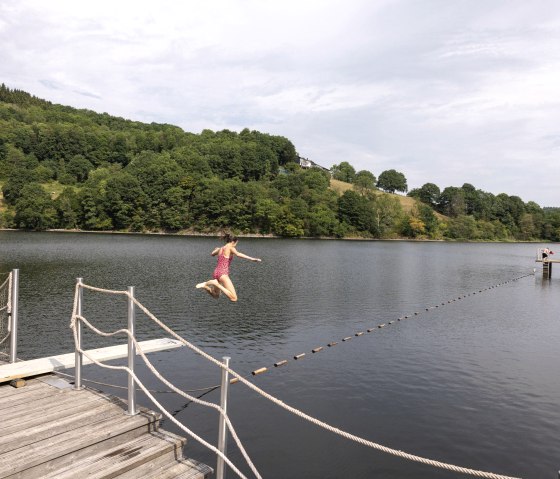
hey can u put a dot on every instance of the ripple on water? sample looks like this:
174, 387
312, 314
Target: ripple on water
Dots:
473, 382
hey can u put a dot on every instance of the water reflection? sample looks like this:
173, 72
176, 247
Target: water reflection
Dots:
473, 382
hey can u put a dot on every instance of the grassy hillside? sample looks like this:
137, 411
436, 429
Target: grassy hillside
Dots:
406, 202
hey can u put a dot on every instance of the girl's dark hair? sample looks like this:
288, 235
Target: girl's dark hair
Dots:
229, 237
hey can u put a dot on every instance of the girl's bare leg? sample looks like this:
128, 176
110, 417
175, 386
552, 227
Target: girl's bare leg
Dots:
224, 284
228, 288
211, 289
219, 284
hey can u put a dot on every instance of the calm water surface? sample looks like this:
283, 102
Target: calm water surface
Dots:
473, 383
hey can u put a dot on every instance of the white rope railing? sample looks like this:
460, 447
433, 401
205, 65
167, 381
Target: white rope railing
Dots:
229, 425
293, 410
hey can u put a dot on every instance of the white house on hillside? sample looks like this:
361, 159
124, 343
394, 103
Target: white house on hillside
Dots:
306, 163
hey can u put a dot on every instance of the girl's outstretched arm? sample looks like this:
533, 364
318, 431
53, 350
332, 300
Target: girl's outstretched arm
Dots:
244, 256
215, 252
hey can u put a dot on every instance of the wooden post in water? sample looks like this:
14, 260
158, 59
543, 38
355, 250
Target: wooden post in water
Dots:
547, 269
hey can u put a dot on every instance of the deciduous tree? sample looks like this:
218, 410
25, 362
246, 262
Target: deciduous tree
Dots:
391, 181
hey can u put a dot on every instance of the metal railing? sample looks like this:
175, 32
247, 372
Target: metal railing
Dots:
9, 290
14, 315
131, 389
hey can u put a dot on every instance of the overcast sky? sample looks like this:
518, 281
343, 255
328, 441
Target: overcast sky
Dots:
444, 91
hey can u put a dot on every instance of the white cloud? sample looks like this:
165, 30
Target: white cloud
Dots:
446, 92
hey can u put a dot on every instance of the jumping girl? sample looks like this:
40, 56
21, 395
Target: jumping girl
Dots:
221, 280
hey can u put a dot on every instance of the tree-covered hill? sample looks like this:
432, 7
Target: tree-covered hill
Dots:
61, 167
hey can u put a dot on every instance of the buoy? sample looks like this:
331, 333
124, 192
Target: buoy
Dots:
259, 371
316, 350
330, 345
280, 363
359, 334
348, 338
370, 330
299, 356
383, 325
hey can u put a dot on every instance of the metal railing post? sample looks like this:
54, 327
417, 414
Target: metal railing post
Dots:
14, 316
131, 353
222, 432
78, 354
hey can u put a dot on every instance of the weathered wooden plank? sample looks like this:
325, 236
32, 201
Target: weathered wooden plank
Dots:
11, 394
164, 467
75, 440
180, 469
35, 367
33, 399
61, 409
197, 470
74, 455
125, 457
7, 390
14, 439
36, 402
157, 467
86, 433
64, 399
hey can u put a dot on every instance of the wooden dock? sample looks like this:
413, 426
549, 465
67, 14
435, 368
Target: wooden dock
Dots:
50, 430
547, 266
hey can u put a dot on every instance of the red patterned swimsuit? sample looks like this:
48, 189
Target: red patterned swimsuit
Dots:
223, 265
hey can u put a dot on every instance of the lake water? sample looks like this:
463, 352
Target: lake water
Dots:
473, 382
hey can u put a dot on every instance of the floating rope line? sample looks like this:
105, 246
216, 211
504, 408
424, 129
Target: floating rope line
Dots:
255, 388
401, 318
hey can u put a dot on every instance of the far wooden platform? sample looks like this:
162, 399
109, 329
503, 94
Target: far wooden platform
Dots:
548, 261
52, 431
34, 367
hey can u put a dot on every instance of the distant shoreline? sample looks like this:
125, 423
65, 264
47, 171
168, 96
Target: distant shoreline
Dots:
194, 234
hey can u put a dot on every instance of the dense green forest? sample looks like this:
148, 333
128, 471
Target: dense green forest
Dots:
61, 167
